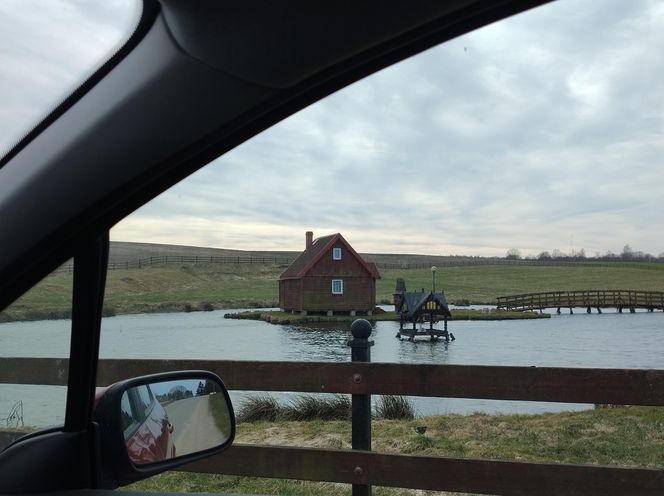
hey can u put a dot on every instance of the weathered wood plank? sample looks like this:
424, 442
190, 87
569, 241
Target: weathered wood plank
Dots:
44, 371
618, 386
431, 473
571, 385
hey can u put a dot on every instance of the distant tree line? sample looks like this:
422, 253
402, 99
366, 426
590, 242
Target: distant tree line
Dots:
177, 393
206, 387
627, 254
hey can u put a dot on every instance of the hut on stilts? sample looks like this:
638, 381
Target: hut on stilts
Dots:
418, 308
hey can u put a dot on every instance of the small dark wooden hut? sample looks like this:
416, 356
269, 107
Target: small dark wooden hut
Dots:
419, 307
328, 277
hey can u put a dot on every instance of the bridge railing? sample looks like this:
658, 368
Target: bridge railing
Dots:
601, 298
577, 385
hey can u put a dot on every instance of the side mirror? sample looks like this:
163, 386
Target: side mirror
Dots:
155, 423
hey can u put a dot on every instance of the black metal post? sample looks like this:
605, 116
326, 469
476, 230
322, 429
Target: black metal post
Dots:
361, 403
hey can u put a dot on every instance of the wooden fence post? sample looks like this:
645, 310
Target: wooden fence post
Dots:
361, 403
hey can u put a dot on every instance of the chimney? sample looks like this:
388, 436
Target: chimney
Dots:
309, 235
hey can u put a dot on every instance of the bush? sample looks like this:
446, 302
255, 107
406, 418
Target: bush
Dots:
394, 408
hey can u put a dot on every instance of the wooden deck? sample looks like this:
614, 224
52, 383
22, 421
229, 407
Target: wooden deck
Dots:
588, 299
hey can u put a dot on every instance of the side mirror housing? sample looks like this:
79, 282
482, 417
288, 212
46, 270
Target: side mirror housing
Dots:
155, 423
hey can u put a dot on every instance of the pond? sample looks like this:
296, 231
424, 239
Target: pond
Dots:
609, 340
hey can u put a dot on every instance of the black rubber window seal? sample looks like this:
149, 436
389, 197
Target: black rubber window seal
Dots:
90, 267
148, 15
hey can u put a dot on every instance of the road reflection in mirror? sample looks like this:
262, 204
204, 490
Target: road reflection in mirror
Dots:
174, 418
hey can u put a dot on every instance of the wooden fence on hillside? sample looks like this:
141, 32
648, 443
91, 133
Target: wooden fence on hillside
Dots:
574, 385
184, 260
285, 261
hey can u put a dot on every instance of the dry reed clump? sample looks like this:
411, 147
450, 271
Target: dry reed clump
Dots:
303, 407
259, 408
394, 408
309, 407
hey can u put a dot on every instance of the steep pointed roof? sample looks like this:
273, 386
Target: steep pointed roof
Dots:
308, 258
415, 302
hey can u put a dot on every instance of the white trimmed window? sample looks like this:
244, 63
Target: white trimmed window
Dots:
336, 253
337, 286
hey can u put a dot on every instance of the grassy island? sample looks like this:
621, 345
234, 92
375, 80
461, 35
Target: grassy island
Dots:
287, 318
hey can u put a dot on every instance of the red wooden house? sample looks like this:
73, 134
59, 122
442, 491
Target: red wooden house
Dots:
329, 276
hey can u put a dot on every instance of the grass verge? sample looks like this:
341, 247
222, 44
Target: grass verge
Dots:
628, 436
220, 413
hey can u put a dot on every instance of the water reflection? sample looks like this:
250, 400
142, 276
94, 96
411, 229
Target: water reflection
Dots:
325, 342
423, 352
609, 340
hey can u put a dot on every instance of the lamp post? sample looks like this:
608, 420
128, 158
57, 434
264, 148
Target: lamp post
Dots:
433, 275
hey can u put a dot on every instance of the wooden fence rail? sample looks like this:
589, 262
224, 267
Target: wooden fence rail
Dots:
567, 385
183, 260
432, 473
582, 385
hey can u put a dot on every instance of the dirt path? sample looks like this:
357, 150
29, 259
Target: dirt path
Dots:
194, 428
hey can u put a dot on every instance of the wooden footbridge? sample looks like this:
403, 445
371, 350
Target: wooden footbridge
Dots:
588, 299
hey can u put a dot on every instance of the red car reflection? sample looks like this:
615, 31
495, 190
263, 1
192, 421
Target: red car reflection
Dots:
145, 425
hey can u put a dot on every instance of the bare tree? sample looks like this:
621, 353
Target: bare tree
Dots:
556, 253
513, 254
544, 255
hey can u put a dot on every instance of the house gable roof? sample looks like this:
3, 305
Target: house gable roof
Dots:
308, 258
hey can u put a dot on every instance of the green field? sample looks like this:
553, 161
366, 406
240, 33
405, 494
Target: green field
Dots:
205, 287
482, 284
623, 436
632, 436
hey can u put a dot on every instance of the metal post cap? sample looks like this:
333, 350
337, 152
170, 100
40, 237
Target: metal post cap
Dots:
360, 328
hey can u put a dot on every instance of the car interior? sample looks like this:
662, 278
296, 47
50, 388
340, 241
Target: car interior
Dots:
193, 81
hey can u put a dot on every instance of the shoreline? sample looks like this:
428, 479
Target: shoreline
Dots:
285, 318
273, 317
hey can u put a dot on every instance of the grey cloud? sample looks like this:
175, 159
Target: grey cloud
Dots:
47, 48
523, 134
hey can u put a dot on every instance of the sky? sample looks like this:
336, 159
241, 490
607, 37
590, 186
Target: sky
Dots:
542, 132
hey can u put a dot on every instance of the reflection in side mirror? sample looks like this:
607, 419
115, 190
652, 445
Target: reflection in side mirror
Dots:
169, 419
146, 425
